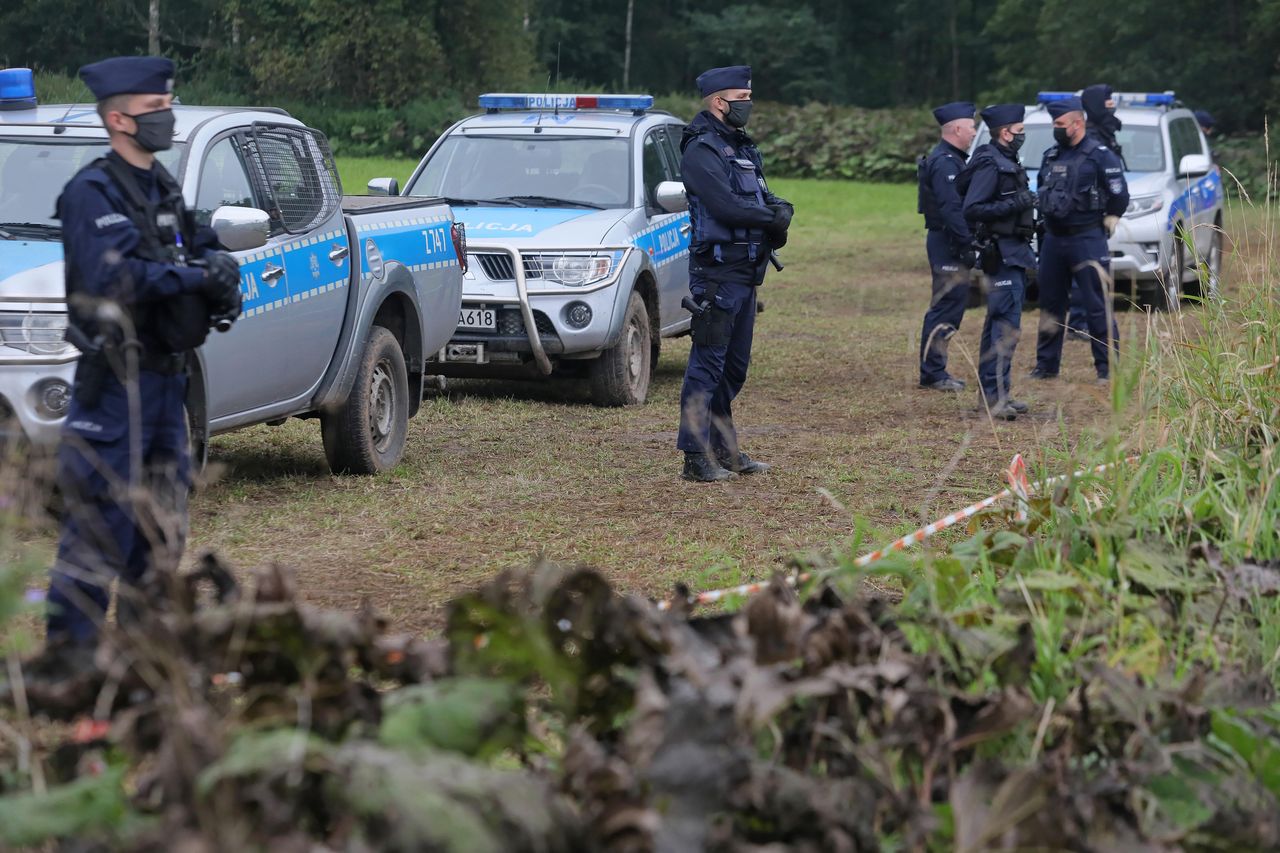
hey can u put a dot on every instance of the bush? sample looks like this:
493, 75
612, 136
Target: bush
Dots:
1252, 161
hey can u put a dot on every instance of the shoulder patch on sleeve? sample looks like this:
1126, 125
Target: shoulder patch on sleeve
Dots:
109, 219
1116, 186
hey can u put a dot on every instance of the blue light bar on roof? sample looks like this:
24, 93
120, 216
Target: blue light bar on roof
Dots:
1143, 99
518, 101
17, 89
1050, 97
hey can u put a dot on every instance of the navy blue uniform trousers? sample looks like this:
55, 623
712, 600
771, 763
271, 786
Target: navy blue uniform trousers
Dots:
1000, 331
716, 373
111, 530
1062, 258
946, 308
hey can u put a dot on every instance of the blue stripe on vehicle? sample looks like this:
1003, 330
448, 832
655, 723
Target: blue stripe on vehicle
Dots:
17, 256
1202, 195
513, 222
663, 241
418, 245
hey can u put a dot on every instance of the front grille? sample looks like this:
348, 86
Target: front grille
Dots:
511, 323
497, 266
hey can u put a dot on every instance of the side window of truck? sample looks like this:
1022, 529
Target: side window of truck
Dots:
295, 172
654, 163
673, 134
1184, 139
223, 181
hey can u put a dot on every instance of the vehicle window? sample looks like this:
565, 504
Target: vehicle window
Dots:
34, 171
1184, 139
591, 170
296, 173
223, 181
655, 164
674, 133
1142, 147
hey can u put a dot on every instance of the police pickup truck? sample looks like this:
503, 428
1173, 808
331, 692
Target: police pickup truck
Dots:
1169, 242
577, 230
344, 297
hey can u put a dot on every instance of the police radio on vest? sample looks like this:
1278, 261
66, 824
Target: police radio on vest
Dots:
495, 101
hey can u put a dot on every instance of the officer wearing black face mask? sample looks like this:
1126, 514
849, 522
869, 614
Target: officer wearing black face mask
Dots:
1000, 208
1082, 195
144, 284
736, 222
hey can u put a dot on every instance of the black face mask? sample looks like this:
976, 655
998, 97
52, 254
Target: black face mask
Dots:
1016, 142
1061, 137
155, 130
739, 113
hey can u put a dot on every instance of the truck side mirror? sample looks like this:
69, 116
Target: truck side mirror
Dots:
1193, 165
241, 228
384, 186
670, 197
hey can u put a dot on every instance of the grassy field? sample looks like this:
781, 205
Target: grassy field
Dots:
496, 474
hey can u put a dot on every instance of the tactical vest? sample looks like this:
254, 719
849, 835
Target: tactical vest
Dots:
172, 325
746, 179
1059, 195
926, 203
1011, 179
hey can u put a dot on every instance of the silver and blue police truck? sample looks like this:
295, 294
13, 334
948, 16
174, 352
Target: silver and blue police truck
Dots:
577, 233
1169, 242
345, 297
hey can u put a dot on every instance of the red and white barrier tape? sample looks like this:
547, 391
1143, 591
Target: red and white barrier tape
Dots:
1018, 488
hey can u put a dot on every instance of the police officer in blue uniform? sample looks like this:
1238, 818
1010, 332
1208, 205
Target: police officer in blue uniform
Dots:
1082, 195
736, 223
949, 242
1101, 123
1000, 208
144, 285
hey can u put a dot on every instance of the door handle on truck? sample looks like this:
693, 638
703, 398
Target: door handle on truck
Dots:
270, 273
339, 253
686, 228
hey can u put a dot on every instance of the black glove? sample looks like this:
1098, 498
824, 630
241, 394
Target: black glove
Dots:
969, 256
222, 285
223, 274
782, 213
1024, 200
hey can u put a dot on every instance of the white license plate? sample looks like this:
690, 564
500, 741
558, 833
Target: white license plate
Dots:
478, 319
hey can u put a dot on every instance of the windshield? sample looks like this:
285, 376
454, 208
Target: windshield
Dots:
33, 172
537, 171
1143, 147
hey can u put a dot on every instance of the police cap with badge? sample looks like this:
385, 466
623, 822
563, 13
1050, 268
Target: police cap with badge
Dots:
1002, 115
129, 75
954, 111
719, 79
1057, 109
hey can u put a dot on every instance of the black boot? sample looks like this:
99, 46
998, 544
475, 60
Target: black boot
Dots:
701, 468
744, 464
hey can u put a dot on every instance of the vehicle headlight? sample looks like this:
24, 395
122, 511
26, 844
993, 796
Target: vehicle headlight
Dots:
573, 270
38, 334
1144, 204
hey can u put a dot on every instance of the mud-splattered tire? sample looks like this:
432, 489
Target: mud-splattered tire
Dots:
620, 376
367, 434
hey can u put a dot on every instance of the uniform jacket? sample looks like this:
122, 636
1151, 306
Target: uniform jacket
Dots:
101, 244
728, 197
1092, 175
990, 182
939, 200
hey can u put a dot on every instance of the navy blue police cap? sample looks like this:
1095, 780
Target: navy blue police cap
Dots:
129, 75
1204, 118
951, 112
1057, 109
718, 79
1000, 115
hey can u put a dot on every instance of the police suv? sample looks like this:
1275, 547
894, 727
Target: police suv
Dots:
344, 297
1169, 242
577, 234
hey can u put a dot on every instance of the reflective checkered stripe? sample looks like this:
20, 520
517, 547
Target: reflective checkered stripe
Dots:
420, 243
663, 241
309, 272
